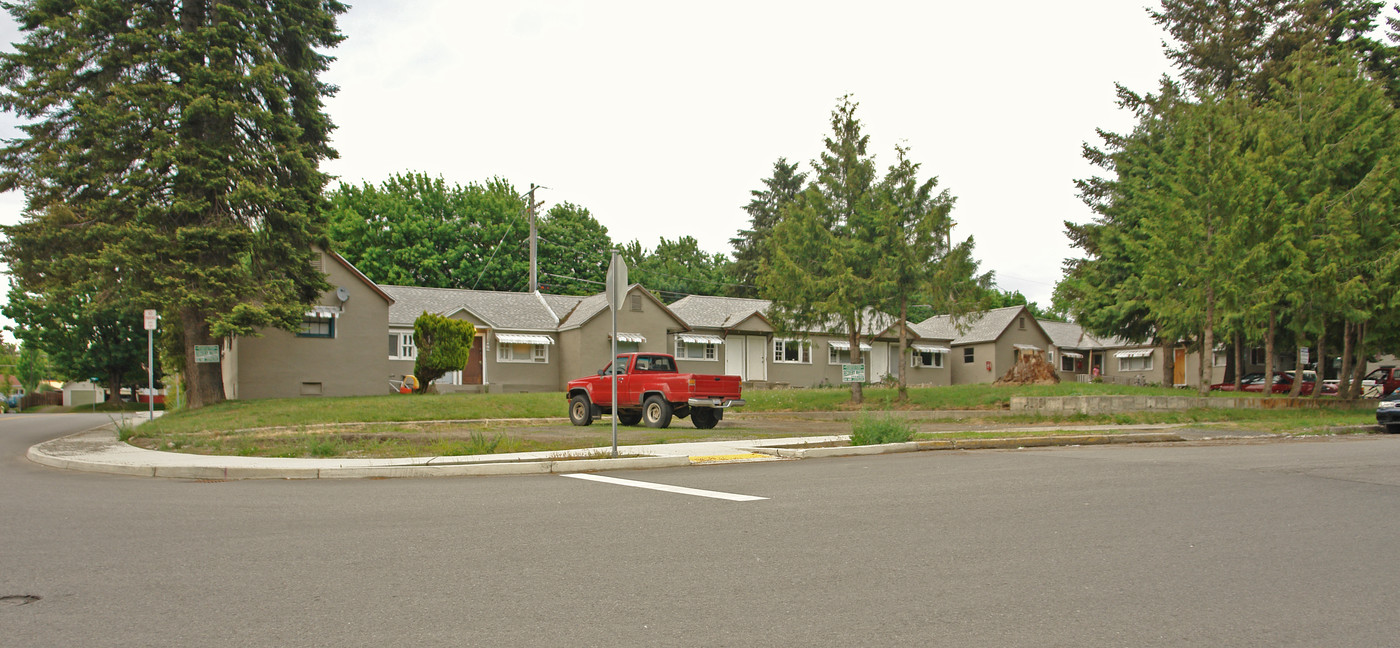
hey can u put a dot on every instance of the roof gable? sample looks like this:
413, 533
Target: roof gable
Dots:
593, 305
975, 328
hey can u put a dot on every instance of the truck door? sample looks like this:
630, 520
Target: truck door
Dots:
627, 383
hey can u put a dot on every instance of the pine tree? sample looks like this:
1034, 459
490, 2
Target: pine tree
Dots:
913, 228
170, 160
764, 211
822, 260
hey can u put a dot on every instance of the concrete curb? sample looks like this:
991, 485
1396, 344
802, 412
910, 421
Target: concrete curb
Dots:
969, 444
99, 451
212, 468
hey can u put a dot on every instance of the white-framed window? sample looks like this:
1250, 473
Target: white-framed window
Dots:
401, 346
1257, 356
969, 355
696, 351
1066, 363
1140, 363
516, 352
1218, 358
792, 351
837, 356
928, 359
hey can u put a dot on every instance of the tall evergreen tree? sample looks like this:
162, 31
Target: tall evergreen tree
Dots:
917, 261
764, 211
170, 158
821, 262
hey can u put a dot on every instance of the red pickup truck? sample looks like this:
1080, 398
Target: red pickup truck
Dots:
650, 391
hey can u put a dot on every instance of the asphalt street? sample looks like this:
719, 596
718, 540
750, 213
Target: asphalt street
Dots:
1277, 543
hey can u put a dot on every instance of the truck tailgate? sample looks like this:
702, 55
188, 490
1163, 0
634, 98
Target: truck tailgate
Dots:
716, 386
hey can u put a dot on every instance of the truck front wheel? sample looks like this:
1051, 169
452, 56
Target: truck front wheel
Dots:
580, 410
656, 412
704, 418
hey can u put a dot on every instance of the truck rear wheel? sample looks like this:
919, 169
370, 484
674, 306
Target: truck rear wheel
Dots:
580, 410
704, 418
656, 412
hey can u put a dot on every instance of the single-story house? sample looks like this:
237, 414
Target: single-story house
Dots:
533, 341
753, 348
336, 352
984, 345
538, 342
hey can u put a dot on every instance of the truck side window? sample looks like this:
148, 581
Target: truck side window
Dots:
621, 364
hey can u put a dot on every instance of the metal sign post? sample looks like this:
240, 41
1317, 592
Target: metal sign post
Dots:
151, 363
617, 293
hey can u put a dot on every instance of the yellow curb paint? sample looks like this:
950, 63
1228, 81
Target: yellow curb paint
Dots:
733, 457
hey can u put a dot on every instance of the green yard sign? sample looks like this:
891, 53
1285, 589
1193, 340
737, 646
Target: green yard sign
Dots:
206, 353
852, 373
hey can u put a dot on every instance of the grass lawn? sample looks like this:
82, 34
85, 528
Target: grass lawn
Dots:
433, 425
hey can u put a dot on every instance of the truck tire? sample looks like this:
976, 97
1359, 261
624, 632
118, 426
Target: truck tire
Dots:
656, 412
629, 418
580, 410
704, 418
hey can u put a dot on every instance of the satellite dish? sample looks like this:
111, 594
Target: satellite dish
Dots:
342, 293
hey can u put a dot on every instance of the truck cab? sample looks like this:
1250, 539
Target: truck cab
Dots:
651, 390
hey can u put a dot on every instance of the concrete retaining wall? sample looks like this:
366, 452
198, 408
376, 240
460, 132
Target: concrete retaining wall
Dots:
1115, 404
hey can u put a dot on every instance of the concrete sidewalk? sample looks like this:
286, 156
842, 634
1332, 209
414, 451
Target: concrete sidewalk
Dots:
99, 450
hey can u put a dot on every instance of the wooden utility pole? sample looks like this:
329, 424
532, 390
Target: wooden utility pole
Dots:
534, 244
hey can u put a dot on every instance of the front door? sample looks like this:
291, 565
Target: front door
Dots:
879, 362
734, 357
1179, 366
471, 374
757, 364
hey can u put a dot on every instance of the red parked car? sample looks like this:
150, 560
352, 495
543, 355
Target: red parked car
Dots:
651, 391
1282, 383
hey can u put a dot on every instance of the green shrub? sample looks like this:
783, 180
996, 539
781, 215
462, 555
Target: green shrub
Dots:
871, 430
482, 444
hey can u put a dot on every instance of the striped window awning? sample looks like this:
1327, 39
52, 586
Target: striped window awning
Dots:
929, 348
631, 337
846, 346
517, 338
696, 338
324, 311
1027, 347
1133, 353
1071, 354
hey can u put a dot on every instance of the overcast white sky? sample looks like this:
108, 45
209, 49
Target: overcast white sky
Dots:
660, 117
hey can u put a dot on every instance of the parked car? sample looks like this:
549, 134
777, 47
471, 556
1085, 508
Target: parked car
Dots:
1381, 382
1282, 383
1388, 412
651, 391
1245, 381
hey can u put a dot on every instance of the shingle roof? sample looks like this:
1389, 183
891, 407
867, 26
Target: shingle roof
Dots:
975, 328
503, 310
1068, 335
717, 312
585, 310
